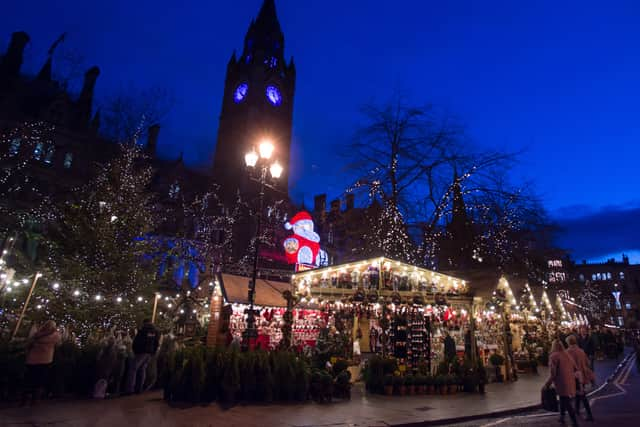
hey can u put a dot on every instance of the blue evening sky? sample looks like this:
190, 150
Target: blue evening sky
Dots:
558, 79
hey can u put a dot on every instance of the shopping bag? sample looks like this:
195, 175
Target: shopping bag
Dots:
549, 399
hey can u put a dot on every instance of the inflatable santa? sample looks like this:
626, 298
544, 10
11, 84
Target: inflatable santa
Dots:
303, 248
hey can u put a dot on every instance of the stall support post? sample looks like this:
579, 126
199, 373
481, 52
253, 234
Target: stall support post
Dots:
26, 303
507, 346
215, 322
287, 327
472, 327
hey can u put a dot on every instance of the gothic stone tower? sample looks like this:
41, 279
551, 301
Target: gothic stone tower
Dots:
257, 103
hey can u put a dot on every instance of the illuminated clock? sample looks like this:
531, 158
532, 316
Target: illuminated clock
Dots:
241, 92
273, 95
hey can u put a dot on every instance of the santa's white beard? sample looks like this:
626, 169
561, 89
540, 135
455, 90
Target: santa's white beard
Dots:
309, 235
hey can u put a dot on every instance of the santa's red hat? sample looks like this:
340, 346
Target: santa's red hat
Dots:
300, 216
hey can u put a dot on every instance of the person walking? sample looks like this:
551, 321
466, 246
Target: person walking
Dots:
561, 370
586, 342
585, 375
145, 345
40, 349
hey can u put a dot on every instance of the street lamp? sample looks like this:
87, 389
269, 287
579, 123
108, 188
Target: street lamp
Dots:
258, 160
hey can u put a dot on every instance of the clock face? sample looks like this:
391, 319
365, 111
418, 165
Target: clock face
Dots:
241, 92
273, 95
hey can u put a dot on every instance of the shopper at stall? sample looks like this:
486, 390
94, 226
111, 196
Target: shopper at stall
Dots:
449, 347
561, 370
584, 375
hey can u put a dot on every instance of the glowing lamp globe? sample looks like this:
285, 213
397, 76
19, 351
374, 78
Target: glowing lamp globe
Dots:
251, 158
266, 149
276, 170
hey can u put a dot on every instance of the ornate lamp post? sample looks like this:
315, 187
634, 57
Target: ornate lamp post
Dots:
260, 161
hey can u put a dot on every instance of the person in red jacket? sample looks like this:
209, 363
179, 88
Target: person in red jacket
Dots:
561, 374
40, 349
585, 374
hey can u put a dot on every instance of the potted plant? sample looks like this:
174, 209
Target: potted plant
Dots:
441, 387
388, 384
534, 365
469, 381
409, 382
420, 382
497, 361
452, 384
481, 376
398, 385
431, 385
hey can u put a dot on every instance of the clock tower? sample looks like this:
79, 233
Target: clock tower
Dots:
257, 104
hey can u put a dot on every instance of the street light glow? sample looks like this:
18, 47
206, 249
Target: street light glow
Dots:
276, 170
251, 158
266, 149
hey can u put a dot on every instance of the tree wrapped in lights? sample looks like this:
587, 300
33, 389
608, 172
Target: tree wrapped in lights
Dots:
417, 162
98, 246
388, 235
592, 300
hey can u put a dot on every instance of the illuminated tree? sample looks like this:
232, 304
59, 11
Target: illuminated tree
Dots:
418, 164
388, 235
592, 300
99, 245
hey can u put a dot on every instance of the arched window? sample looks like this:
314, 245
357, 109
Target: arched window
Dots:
37, 152
68, 159
48, 158
174, 190
14, 148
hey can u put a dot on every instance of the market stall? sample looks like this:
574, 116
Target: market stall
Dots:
388, 307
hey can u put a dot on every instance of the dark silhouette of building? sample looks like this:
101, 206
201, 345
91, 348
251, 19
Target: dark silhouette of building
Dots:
53, 133
257, 104
343, 227
456, 247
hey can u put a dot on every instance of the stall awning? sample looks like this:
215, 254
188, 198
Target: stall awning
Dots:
268, 292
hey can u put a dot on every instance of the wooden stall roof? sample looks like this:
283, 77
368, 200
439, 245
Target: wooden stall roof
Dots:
268, 292
482, 282
380, 261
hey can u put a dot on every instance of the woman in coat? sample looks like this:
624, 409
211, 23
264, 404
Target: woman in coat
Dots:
40, 351
586, 375
562, 375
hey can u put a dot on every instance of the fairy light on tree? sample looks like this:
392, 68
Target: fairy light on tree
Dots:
592, 300
96, 255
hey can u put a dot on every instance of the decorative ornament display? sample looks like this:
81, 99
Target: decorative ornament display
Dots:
303, 248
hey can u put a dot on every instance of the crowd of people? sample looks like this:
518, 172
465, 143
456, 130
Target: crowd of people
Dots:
571, 366
122, 363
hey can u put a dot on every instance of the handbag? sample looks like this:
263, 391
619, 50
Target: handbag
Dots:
549, 399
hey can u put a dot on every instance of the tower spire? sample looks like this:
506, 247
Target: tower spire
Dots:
267, 17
